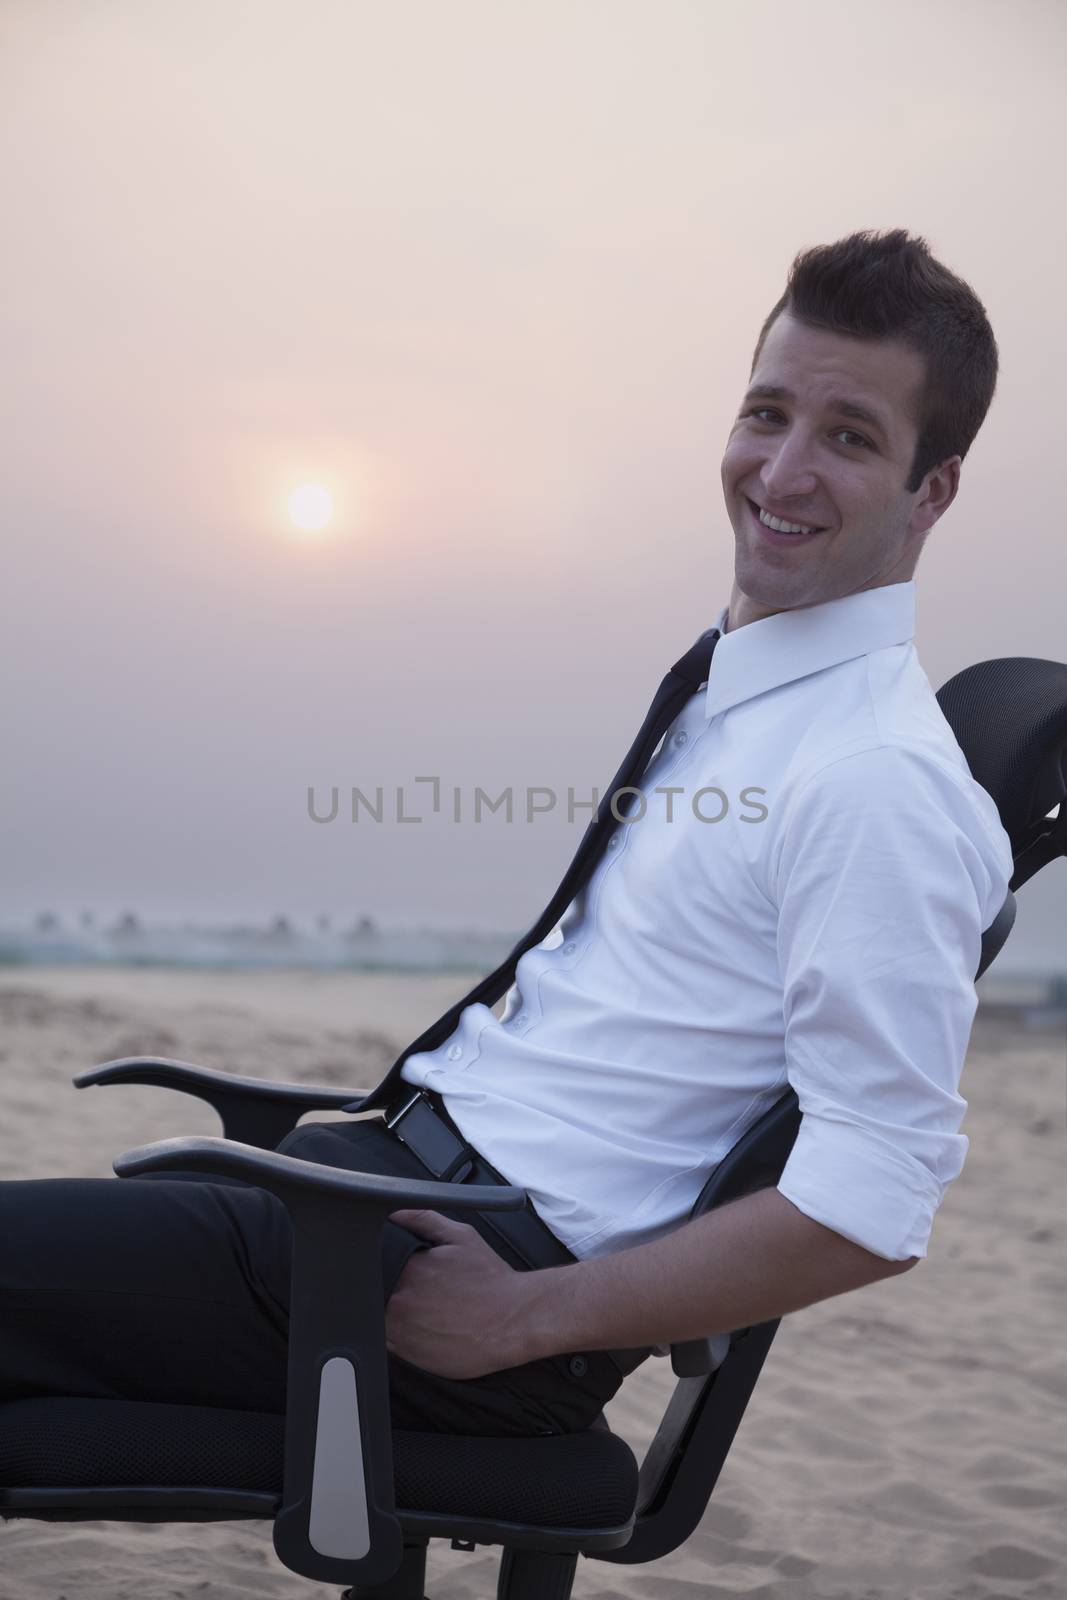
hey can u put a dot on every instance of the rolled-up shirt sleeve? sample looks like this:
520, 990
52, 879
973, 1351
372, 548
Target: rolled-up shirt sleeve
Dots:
888, 868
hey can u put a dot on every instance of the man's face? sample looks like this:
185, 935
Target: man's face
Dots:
805, 456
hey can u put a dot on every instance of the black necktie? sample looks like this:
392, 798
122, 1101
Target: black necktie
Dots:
681, 682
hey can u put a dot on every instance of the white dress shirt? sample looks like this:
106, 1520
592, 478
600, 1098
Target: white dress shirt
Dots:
821, 928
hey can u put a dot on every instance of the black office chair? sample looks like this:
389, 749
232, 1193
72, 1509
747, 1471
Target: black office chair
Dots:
353, 1502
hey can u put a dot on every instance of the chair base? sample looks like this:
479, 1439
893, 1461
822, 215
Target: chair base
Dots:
524, 1575
407, 1583
536, 1575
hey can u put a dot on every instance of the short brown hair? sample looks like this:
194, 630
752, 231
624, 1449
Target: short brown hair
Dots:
889, 286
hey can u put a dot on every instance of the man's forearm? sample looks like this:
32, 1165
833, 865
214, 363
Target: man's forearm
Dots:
747, 1262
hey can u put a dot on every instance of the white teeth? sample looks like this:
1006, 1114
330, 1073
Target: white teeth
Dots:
783, 527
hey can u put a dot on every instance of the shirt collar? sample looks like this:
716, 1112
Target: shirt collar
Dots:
790, 645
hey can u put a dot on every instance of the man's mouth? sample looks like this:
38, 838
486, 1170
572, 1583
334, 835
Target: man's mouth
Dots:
776, 526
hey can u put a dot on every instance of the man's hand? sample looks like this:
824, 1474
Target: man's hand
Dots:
457, 1310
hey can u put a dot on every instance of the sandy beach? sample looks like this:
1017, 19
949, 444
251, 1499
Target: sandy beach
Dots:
906, 1442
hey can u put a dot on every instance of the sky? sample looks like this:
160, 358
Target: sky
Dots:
492, 273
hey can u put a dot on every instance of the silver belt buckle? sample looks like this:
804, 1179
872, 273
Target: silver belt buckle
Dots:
391, 1122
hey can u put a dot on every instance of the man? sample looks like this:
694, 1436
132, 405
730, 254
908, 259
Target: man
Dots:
879, 865
822, 930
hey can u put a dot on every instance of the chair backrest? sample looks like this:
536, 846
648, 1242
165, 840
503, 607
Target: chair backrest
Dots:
1009, 717
1010, 720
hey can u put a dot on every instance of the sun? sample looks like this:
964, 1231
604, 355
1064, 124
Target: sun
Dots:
310, 507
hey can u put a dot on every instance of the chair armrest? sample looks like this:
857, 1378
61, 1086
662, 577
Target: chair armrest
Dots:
337, 1523
696, 1357
755, 1162
254, 1111
284, 1175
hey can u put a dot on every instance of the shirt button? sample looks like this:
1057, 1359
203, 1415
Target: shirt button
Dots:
613, 842
681, 738
520, 1019
455, 1052
569, 949
577, 1366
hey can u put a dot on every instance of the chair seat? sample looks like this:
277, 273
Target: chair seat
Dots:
98, 1455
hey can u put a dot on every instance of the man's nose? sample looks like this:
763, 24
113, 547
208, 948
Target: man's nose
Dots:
787, 470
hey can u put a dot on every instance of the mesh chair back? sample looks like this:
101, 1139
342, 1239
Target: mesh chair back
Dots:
1009, 716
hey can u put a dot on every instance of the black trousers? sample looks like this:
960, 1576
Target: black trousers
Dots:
176, 1288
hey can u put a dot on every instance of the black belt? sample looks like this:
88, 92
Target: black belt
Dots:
419, 1120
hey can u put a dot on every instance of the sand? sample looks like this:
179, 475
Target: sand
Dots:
905, 1442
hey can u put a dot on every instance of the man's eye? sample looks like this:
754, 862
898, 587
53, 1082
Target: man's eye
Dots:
849, 433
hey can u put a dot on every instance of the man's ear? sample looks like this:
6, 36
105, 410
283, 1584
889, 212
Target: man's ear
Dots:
940, 488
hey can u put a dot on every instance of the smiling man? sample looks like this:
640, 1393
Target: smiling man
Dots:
818, 474
835, 948
699, 961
